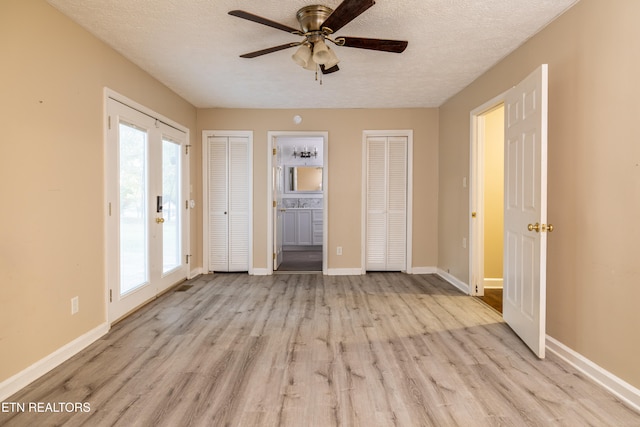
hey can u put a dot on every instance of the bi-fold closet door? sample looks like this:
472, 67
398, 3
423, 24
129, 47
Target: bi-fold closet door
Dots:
386, 203
229, 207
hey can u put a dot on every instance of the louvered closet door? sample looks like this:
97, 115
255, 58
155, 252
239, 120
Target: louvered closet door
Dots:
386, 203
228, 203
238, 204
218, 204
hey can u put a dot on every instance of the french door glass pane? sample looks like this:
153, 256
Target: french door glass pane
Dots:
134, 252
171, 233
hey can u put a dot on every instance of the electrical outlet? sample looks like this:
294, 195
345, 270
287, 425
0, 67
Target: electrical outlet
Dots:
75, 305
339, 250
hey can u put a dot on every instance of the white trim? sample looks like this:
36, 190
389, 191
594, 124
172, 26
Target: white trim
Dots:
454, 281
424, 270
492, 283
25, 377
205, 192
408, 133
109, 93
620, 388
345, 272
476, 189
271, 139
260, 272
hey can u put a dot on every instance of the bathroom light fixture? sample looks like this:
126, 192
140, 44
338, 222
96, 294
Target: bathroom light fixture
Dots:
305, 153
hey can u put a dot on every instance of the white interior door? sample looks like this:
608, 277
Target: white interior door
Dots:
278, 208
525, 209
146, 223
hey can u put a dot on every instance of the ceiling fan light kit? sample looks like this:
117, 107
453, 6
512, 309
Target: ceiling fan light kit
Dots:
317, 24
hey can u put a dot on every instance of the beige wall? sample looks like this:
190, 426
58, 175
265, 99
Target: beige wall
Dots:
493, 193
345, 171
51, 175
594, 177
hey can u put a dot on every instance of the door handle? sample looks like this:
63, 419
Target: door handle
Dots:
547, 228
160, 220
534, 227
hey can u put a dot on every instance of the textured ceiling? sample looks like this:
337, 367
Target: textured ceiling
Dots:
193, 47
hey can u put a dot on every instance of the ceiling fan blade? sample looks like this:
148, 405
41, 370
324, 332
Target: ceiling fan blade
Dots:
397, 46
329, 70
268, 50
264, 21
347, 11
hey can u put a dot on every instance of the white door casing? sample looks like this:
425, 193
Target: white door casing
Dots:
272, 211
525, 209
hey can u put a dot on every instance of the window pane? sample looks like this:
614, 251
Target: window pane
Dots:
133, 208
171, 232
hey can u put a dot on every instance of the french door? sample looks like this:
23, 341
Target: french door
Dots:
147, 211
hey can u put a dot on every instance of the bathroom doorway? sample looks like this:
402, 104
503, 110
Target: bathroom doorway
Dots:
299, 202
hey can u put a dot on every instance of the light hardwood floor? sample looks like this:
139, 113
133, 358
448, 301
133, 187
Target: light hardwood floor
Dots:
384, 349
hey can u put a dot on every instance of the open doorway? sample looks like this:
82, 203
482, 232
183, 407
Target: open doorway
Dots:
298, 189
487, 238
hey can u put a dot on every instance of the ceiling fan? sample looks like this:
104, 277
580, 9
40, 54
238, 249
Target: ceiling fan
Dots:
317, 24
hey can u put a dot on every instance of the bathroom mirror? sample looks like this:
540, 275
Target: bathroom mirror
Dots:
304, 179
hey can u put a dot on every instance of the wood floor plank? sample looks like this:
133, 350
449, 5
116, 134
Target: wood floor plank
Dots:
382, 349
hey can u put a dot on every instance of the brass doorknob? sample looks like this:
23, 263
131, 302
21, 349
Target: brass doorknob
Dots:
160, 220
547, 228
534, 227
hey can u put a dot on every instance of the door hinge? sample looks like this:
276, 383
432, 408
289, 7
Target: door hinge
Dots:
109, 121
274, 255
187, 148
187, 258
109, 208
274, 204
110, 295
476, 289
186, 204
274, 151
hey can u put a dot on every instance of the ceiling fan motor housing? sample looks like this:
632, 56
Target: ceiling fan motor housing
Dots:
312, 17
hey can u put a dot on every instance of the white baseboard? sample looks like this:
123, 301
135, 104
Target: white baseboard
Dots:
20, 380
489, 283
344, 272
623, 390
453, 280
260, 272
195, 272
424, 270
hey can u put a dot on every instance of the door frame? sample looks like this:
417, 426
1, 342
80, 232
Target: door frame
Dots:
108, 179
205, 192
476, 194
272, 137
408, 133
